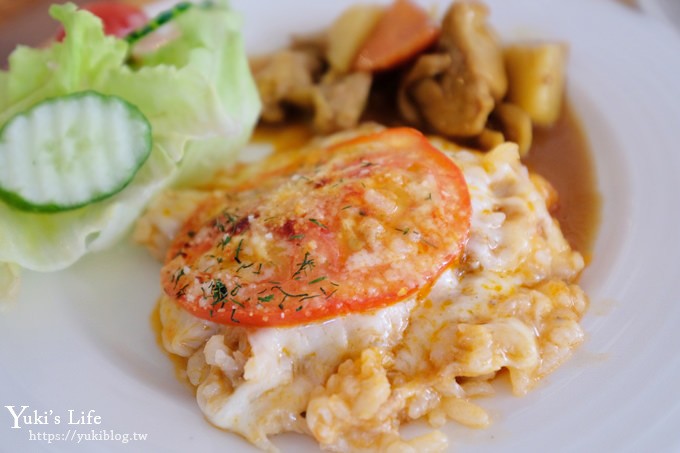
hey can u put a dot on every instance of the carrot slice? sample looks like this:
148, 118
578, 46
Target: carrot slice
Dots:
404, 30
360, 225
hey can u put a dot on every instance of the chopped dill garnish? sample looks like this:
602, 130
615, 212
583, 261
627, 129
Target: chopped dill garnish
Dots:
238, 251
297, 237
306, 264
219, 291
259, 269
233, 310
425, 241
234, 301
182, 291
318, 223
287, 295
346, 207
244, 266
317, 280
266, 298
299, 308
223, 243
221, 227
176, 276
403, 231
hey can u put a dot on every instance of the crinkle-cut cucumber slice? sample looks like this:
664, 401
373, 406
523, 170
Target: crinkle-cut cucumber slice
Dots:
70, 151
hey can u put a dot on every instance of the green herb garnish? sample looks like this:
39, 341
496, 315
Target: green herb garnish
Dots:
318, 223
219, 291
238, 251
306, 264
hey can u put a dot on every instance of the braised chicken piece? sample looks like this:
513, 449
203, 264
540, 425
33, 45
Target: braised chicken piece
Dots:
466, 29
339, 101
287, 77
293, 77
442, 94
454, 90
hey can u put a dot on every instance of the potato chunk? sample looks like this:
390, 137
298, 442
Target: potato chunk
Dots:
349, 32
536, 74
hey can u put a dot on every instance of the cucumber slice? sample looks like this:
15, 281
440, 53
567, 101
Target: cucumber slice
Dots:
158, 21
71, 151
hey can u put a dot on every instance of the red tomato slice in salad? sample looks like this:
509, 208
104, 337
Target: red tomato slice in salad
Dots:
359, 225
119, 19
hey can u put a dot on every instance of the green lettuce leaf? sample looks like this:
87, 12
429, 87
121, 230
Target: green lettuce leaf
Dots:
197, 92
223, 104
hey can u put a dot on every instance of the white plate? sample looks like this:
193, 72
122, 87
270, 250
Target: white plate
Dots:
666, 10
81, 339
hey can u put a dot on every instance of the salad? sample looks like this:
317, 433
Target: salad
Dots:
91, 128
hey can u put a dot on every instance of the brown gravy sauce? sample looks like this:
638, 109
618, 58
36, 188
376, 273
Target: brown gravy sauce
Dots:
561, 154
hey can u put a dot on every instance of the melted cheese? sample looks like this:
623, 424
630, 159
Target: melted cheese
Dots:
350, 382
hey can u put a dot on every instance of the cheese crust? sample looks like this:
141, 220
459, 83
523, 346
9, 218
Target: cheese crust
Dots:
350, 382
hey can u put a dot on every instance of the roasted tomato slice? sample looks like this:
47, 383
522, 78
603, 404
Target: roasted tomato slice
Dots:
358, 225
